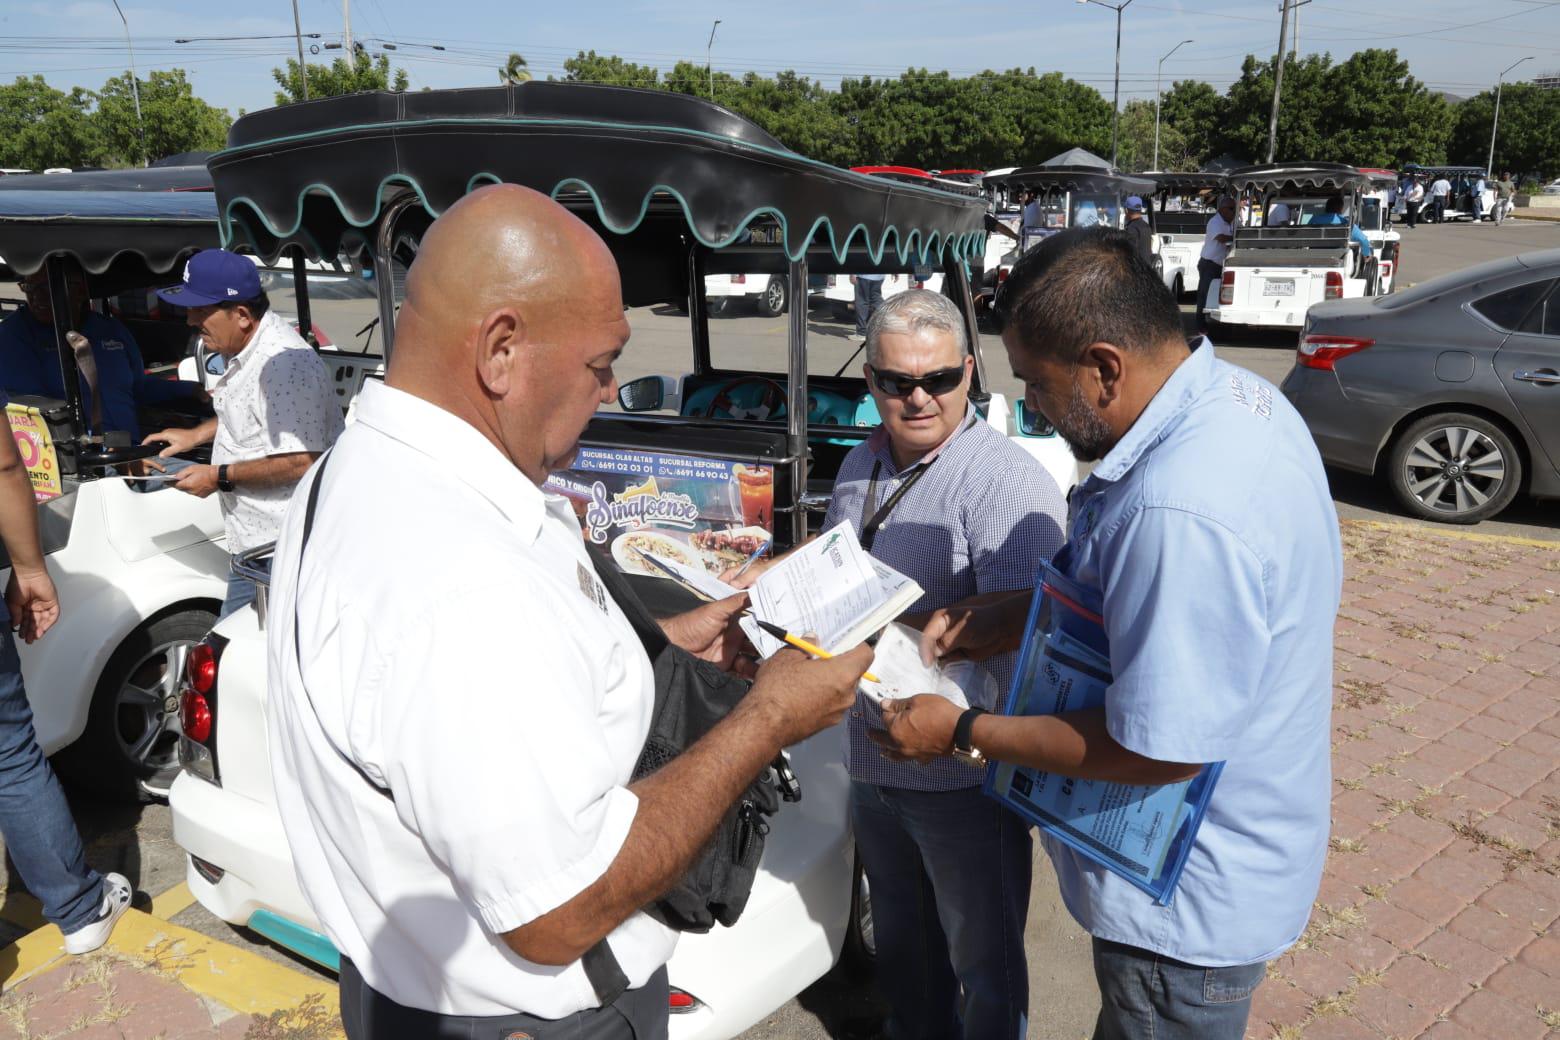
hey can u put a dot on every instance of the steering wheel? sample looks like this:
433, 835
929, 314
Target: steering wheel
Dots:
723, 400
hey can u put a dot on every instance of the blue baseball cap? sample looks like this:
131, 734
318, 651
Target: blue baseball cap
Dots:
214, 276
1134, 204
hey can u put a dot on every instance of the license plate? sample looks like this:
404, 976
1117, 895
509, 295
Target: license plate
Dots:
1278, 287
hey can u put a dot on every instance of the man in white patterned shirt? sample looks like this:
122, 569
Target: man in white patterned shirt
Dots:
942, 496
276, 410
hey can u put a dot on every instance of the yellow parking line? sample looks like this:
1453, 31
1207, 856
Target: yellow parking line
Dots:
1467, 536
173, 901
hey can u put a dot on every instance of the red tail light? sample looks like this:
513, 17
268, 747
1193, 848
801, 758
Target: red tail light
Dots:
739, 279
679, 1002
1227, 289
195, 717
201, 668
1334, 289
1323, 352
1002, 273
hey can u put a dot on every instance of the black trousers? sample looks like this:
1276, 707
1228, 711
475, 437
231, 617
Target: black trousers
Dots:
1411, 212
1209, 275
639, 1014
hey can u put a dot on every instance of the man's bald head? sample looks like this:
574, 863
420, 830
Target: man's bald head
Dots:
513, 311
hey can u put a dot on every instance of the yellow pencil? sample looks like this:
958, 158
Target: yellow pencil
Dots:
804, 646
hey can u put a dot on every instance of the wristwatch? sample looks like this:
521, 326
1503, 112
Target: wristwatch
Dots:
223, 483
963, 750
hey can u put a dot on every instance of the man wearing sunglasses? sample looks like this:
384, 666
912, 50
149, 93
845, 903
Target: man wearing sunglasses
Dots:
942, 496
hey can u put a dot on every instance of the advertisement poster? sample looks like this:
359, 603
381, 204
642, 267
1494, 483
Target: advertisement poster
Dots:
36, 447
712, 513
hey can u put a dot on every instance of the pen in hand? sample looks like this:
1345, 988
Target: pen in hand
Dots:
803, 645
761, 550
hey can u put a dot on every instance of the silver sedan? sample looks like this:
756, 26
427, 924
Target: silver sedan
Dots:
1449, 391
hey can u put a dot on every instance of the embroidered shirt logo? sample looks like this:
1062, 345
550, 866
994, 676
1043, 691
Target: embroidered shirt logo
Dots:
591, 587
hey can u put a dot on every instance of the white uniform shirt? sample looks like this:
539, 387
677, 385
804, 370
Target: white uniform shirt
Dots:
1213, 249
459, 648
275, 398
1441, 188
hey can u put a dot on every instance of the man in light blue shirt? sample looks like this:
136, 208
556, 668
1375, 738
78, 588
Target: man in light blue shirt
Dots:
1209, 532
1334, 215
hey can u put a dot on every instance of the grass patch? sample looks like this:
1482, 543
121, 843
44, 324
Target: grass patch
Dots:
1375, 891
1548, 1017
1346, 845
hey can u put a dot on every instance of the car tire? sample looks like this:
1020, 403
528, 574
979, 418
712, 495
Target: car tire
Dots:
1178, 288
136, 695
1454, 468
859, 956
772, 303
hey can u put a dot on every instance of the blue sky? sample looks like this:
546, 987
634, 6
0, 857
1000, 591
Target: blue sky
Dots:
81, 42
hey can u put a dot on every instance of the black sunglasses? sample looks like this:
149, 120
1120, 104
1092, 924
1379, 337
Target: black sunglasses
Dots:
898, 384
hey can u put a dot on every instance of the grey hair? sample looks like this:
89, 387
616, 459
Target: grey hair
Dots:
912, 311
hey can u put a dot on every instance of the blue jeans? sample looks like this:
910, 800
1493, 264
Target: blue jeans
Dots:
39, 832
949, 873
869, 297
1209, 275
240, 590
1144, 994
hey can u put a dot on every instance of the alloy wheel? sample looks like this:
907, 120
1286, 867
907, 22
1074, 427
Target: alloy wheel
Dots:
146, 710
1454, 469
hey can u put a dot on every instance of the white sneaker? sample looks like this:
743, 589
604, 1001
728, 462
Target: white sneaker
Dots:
116, 900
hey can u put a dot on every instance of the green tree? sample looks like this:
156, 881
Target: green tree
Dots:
363, 72
1197, 112
590, 67
1379, 115
1136, 145
42, 127
1529, 139
1301, 134
173, 119
514, 70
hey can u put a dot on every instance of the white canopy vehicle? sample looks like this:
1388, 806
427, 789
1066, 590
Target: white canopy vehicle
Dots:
1185, 203
1306, 252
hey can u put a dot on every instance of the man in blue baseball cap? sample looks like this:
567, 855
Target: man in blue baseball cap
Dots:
276, 408
1137, 227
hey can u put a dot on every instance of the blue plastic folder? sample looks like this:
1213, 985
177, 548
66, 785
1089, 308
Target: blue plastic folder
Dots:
1140, 832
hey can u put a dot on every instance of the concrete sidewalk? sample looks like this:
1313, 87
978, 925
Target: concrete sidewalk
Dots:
1435, 912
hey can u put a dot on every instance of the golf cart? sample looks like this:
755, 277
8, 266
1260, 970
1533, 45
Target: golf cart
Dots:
140, 573
1459, 204
1276, 271
1074, 196
1183, 205
734, 426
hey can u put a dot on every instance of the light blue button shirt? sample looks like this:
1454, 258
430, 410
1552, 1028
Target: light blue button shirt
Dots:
1211, 534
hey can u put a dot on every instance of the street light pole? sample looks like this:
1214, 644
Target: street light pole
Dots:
303, 70
135, 90
1115, 97
708, 68
1157, 75
1489, 168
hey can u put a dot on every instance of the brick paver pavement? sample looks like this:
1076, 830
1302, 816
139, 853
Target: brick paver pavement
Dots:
1436, 911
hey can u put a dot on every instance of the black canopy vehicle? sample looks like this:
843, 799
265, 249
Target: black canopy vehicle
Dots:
1183, 204
1073, 196
1460, 204
678, 188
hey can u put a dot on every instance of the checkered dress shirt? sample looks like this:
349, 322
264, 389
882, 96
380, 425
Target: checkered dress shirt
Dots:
982, 519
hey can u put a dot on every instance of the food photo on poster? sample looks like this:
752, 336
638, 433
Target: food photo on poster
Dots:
695, 511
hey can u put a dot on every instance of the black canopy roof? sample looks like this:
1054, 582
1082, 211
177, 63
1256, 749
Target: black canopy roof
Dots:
1298, 177
157, 178
317, 174
1191, 183
1455, 171
1054, 179
129, 237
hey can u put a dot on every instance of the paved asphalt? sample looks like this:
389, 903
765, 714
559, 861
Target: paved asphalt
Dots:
1064, 1001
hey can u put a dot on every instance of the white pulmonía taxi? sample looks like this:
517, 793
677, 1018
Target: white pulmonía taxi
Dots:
714, 451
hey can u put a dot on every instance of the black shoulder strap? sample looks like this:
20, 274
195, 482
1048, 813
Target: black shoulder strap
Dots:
600, 963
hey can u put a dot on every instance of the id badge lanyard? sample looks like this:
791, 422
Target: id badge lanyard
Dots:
872, 519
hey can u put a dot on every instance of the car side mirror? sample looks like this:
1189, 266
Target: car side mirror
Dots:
647, 394
1031, 423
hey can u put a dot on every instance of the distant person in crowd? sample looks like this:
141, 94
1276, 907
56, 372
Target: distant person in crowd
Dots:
40, 835
1219, 600
1215, 248
1278, 215
1413, 198
1333, 215
484, 871
1440, 191
1138, 227
1033, 220
276, 407
946, 499
869, 297
1505, 197
1476, 189
113, 385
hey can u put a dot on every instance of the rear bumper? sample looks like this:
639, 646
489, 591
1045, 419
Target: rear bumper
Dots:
1292, 317
1348, 433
